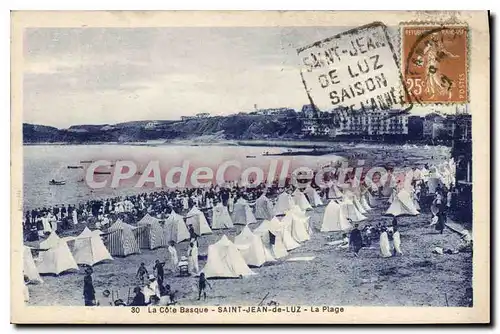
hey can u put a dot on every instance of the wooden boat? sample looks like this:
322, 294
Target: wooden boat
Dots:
101, 173
251, 156
75, 167
57, 183
86, 161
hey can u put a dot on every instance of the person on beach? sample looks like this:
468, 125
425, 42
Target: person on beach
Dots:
396, 238
88, 288
441, 221
385, 247
173, 259
193, 258
202, 286
160, 272
141, 272
105, 299
139, 299
152, 288
355, 239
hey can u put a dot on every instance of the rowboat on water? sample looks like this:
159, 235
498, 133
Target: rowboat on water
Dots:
75, 167
57, 183
86, 161
102, 173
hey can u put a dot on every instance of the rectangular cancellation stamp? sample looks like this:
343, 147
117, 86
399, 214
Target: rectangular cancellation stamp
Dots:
434, 63
356, 70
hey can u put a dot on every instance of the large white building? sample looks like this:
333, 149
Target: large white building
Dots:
348, 123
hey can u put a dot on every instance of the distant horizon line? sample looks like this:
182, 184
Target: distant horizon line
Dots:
210, 116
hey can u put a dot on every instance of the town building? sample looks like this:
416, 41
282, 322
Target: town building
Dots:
150, 125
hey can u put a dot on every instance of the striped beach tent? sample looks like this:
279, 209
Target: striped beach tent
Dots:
120, 239
175, 228
150, 234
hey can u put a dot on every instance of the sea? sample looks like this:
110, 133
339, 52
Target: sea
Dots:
43, 163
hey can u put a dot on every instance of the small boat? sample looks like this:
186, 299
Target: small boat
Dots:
86, 161
57, 183
75, 167
251, 156
102, 173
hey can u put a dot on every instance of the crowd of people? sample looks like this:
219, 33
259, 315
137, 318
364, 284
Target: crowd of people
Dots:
152, 287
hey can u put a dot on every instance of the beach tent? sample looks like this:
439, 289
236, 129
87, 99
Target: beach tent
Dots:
358, 205
271, 234
283, 204
286, 231
51, 241
29, 267
221, 218
150, 233
350, 211
313, 196
252, 248
196, 218
299, 226
364, 202
120, 239
402, 205
56, 259
334, 192
300, 199
263, 208
334, 218
88, 248
242, 214
225, 260
389, 185
175, 229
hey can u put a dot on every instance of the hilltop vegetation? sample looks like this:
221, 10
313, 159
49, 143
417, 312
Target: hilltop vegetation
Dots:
241, 126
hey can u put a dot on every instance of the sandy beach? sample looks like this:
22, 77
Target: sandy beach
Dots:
333, 277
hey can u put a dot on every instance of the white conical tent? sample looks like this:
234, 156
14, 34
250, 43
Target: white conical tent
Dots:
220, 217
252, 249
120, 239
300, 199
196, 218
56, 259
334, 192
150, 233
263, 208
350, 211
298, 226
371, 199
283, 204
334, 218
402, 205
271, 234
242, 214
175, 229
358, 205
313, 196
224, 260
364, 202
288, 240
89, 249
51, 241
29, 267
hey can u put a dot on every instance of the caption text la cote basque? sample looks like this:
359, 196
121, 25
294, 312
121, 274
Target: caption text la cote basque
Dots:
237, 309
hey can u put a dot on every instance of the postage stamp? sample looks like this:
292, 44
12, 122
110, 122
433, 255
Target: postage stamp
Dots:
435, 62
181, 174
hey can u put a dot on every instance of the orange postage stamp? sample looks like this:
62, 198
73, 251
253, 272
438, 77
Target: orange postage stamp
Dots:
434, 63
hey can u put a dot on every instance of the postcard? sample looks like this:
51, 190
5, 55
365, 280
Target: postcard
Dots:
289, 167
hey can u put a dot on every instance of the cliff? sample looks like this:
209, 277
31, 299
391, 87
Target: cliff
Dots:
240, 127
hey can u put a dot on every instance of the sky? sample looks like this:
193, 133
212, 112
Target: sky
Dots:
111, 75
